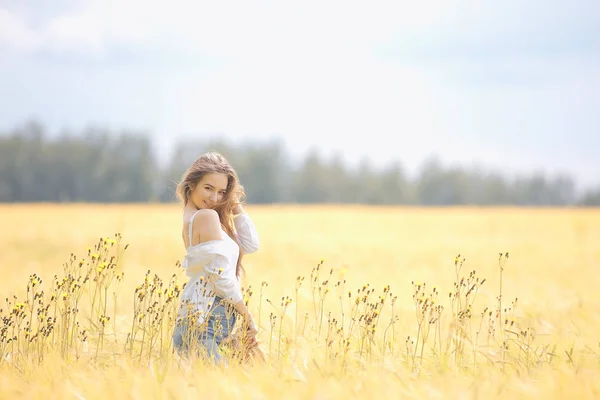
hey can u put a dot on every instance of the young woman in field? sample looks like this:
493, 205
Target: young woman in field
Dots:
217, 232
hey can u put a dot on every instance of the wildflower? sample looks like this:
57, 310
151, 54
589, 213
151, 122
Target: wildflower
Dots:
34, 281
18, 307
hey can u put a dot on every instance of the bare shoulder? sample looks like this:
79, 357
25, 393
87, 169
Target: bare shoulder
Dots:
207, 225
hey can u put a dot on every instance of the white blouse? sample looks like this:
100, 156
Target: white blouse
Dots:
211, 267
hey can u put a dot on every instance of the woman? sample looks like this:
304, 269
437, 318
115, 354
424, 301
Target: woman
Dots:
216, 233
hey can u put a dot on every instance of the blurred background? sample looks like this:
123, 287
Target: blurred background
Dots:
386, 102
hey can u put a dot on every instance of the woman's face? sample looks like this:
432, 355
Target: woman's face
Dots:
210, 190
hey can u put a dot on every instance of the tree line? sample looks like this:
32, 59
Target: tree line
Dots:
98, 165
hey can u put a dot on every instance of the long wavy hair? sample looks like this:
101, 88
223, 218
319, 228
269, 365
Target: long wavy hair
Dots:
214, 162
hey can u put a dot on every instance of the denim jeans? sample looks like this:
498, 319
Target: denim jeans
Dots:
206, 339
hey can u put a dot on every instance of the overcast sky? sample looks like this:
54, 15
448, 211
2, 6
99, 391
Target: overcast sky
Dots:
512, 85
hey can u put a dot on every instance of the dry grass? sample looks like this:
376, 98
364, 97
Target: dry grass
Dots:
320, 343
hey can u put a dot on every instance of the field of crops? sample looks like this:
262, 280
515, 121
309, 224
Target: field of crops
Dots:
352, 302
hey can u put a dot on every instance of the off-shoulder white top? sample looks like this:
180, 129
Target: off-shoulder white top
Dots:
211, 267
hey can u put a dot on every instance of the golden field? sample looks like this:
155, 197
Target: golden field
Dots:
552, 335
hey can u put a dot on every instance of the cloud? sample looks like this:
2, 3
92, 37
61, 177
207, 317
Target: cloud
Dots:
15, 34
238, 29
493, 32
267, 30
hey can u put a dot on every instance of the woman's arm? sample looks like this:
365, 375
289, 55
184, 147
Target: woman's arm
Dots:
224, 285
246, 231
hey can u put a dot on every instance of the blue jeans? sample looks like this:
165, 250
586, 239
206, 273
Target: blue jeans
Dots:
205, 339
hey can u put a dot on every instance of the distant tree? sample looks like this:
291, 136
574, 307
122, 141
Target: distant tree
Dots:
591, 198
395, 186
99, 165
310, 182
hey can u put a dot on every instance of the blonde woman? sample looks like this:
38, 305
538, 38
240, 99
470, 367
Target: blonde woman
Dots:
217, 232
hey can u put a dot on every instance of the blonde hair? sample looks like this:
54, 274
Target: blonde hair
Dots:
214, 162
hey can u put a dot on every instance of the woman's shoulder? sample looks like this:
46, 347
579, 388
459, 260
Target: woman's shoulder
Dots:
201, 215
207, 223
205, 214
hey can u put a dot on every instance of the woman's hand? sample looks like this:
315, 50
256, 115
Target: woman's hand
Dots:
238, 209
252, 329
244, 312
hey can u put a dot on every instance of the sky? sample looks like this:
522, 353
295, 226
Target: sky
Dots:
512, 86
